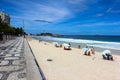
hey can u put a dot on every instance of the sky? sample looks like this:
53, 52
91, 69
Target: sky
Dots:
69, 17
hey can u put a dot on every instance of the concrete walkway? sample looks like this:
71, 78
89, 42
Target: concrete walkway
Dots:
32, 69
17, 61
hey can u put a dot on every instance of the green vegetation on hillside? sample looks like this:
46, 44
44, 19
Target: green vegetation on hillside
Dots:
46, 34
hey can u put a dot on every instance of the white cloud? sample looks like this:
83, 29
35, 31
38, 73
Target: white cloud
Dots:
33, 10
75, 1
100, 24
109, 9
99, 14
112, 10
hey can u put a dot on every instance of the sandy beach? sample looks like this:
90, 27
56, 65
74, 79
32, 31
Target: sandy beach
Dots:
72, 64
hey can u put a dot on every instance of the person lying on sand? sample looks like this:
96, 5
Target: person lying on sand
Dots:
58, 45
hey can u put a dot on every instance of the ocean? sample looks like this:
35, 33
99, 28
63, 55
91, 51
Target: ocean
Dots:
99, 43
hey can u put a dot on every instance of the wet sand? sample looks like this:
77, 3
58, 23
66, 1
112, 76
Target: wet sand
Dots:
73, 65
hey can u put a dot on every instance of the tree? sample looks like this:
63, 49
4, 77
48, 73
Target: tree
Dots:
9, 30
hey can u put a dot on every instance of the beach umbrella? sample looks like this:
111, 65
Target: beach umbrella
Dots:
65, 44
106, 52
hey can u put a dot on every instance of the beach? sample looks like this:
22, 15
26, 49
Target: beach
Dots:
60, 64
100, 43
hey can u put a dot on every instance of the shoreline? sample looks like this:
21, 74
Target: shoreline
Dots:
75, 45
71, 65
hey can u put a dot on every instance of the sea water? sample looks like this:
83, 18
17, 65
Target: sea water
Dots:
100, 43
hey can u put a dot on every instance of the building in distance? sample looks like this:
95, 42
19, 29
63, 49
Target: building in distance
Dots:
5, 17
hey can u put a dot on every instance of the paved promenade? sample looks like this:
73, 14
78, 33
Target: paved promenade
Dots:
17, 62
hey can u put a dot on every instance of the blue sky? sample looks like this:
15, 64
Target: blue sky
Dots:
81, 17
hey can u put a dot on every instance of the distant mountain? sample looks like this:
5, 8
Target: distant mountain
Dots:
47, 34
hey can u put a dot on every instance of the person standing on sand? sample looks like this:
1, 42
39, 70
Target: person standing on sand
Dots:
70, 44
78, 46
39, 41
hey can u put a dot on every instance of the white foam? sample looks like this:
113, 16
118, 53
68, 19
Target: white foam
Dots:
101, 44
